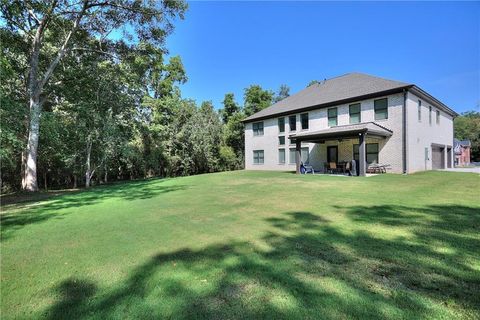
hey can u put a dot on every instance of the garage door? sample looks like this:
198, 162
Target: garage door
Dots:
438, 160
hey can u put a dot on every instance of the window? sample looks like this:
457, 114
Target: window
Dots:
305, 154
419, 107
292, 140
281, 140
438, 117
332, 117
281, 156
257, 156
430, 115
371, 152
304, 120
381, 109
292, 121
281, 124
354, 110
291, 156
258, 129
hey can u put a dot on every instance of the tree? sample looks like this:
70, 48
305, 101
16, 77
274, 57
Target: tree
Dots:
196, 148
311, 83
467, 127
37, 20
230, 107
256, 99
283, 92
13, 111
234, 136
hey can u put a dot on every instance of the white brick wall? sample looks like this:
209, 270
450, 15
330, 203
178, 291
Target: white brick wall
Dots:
269, 144
390, 149
421, 134
389, 153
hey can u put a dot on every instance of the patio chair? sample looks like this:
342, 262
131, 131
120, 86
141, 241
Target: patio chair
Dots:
308, 168
353, 170
348, 168
332, 167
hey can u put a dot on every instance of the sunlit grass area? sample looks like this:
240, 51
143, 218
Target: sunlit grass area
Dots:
248, 245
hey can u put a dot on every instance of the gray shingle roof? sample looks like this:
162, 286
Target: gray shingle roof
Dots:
344, 87
345, 130
460, 143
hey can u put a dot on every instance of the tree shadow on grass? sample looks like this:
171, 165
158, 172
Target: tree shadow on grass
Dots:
307, 269
438, 259
137, 190
73, 292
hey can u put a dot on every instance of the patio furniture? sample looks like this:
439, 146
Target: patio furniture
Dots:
372, 168
353, 170
377, 168
348, 168
307, 168
342, 166
383, 167
332, 167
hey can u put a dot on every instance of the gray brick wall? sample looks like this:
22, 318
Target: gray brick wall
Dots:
390, 149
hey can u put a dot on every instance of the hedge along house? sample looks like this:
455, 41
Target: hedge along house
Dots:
354, 116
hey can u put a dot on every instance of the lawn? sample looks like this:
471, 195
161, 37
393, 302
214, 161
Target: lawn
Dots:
248, 245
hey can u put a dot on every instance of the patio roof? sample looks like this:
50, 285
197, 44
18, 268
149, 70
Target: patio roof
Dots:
345, 131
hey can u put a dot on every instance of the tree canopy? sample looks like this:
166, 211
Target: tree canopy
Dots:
467, 127
256, 99
88, 96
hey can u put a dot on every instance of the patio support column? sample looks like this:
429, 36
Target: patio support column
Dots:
362, 154
298, 157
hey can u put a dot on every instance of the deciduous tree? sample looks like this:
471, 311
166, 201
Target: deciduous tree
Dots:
149, 21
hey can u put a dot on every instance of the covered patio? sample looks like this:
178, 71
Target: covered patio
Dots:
358, 131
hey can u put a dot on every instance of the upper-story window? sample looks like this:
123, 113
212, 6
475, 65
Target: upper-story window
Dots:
430, 115
381, 109
354, 111
292, 121
304, 121
419, 110
438, 116
332, 117
281, 124
281, 140
258, 128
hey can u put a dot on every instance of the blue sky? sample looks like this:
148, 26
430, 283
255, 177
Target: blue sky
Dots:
226, 46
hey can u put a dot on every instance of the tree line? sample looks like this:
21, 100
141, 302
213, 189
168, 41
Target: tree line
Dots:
467, 127
87, 98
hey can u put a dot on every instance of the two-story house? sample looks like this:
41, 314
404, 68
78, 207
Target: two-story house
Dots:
354, 116
461, 149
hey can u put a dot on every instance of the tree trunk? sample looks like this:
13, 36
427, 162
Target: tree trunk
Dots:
30, 182
22, 168
74, 181
106, 174
45, 180
35, 89
88, 172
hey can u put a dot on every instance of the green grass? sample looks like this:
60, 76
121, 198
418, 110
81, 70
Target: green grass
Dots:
248, 245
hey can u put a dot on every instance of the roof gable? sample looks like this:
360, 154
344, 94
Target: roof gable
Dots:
344, 87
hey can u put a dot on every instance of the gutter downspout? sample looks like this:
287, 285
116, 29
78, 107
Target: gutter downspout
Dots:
453, 142
404, 132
